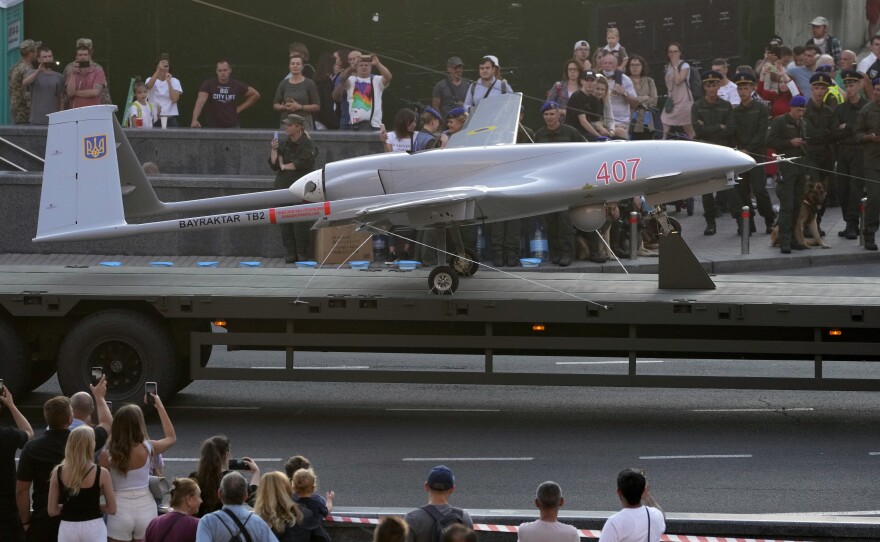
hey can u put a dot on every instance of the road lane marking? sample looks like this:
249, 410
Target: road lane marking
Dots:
783, 409
331, 367
725, 456
601, 362
196, 459
873, 453
442, 410
442, 459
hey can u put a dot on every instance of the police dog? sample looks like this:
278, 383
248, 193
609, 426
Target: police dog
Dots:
806, 219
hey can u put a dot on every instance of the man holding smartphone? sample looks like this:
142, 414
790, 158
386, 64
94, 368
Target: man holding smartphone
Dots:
85, 82
46, 87
641, 517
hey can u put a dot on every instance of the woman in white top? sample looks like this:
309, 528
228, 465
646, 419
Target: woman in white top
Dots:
128, 456
401, 138
164, 91
607, 126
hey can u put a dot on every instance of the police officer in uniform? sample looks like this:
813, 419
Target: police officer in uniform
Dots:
851, 183
868, 132
752, 119
787, 136
819, 151
713, 121
560, 232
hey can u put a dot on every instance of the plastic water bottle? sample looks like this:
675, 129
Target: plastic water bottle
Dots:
378, 248
481, 243
539, 244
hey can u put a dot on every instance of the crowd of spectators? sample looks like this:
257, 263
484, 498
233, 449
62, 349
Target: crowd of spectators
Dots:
89, 485
606, 95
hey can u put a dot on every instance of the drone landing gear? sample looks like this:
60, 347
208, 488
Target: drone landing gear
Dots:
443, 280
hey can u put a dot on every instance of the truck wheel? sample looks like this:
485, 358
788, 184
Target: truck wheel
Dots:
15, 369
131, 348
443, 280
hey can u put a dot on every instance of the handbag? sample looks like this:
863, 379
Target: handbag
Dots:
669, 105
159, 485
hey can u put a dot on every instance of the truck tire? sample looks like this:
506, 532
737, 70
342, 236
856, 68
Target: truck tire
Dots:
131, 348
15, 368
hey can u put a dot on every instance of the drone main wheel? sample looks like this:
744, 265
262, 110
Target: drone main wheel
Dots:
443, 280
462, 266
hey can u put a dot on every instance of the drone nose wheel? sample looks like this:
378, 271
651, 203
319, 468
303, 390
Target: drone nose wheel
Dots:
443, 280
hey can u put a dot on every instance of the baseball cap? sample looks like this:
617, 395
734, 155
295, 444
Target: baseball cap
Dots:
819, 21
493, 59
588, 74
293, 118
454, 61
798, 101
441, 478
549, 105
29, 45
581, 43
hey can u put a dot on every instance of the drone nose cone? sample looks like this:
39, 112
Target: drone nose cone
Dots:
739, 161
309, 187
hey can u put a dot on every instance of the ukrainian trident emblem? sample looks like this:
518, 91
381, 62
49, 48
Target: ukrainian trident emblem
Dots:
95, 147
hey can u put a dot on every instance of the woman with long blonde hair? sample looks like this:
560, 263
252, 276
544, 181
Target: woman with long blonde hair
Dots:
289, 521
129, 457
75, 490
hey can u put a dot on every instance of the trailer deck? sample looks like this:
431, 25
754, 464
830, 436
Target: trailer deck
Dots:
567, 314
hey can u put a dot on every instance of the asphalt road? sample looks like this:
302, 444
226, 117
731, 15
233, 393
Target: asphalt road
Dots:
706, 451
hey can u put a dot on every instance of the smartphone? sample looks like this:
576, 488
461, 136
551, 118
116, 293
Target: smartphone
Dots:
97, 373
275, 136
84, 63
164, 56
150, 388
237, 464
109, 405
2, 387
366, 58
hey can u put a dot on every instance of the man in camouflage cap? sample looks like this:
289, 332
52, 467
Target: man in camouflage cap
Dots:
19, 95
105, 92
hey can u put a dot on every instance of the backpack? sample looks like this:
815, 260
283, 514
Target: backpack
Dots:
694, 82
441, 521
242, 535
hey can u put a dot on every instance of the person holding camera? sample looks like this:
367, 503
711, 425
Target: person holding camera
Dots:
129, 457
164, 91
85, 82
214, 464
46, 86
364, 91
641, 517
11, 439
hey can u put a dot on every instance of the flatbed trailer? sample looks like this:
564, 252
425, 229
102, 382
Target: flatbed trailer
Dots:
155, 324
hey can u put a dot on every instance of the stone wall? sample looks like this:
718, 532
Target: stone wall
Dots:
847, 21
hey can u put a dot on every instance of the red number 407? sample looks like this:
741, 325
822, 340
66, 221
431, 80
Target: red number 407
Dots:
618, 170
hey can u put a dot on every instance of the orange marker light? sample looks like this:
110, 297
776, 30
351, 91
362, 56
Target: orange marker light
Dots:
219, 323
538, 327
835, 332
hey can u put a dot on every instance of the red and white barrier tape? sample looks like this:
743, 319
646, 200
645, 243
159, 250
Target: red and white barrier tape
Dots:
585, 533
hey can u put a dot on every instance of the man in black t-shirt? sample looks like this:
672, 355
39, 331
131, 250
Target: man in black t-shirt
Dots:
11, 439
223, 99
583, 108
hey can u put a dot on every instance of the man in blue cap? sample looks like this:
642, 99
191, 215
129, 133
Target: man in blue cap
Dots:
713, 122
867, 130
850, 161
788, 137
560, 232
427, 522
819, 152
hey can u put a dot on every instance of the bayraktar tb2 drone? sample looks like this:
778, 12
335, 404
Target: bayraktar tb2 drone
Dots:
93, 184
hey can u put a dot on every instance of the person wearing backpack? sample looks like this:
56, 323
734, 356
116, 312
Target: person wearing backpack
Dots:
427, 523
489, 84
234, 522
680, 98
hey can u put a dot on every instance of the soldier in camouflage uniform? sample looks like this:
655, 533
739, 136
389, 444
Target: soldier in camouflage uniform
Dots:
19, 95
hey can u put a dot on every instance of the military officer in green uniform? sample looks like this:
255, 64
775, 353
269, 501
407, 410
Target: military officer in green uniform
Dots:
787, 136
868, 132
850, 161
19, 95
